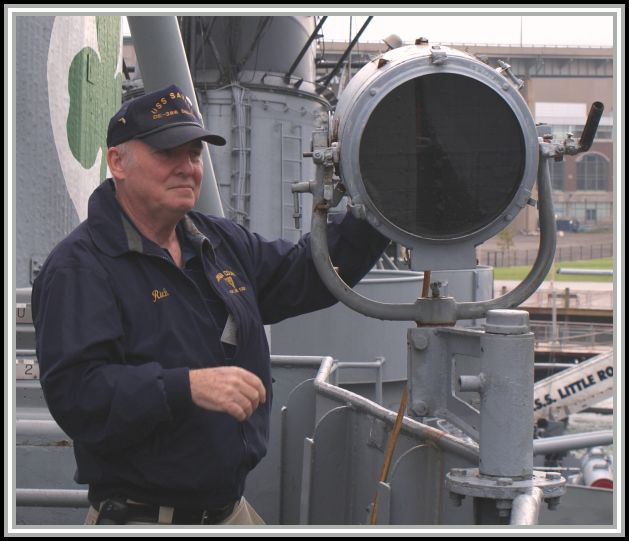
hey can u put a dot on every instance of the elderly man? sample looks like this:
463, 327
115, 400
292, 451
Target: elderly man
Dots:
150, 320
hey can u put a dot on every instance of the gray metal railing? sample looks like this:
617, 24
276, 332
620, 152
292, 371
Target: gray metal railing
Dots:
525, 510
425, 432
593, 335
49, 497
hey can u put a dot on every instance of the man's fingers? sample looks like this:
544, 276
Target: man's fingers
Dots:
236, 411
231, 389
256, 383
253, 394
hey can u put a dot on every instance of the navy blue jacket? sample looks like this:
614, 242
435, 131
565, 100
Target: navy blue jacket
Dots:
119, 326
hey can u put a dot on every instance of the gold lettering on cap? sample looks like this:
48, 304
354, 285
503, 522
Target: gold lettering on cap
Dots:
159, 104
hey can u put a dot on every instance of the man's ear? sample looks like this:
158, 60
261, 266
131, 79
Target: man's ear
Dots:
114, 161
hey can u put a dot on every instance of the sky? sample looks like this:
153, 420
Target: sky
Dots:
493, 30
564, 27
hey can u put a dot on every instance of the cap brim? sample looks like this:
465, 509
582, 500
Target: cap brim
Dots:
174, 136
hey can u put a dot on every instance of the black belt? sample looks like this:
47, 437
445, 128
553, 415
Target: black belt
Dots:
115, 511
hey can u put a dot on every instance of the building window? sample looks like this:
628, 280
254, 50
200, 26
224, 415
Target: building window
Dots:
561, 131
590, 215
557, 174
604, 132
592, 173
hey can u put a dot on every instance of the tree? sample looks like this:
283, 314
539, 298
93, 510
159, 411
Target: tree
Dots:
505, 238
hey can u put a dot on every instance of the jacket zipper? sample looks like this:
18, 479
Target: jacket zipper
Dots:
246, 445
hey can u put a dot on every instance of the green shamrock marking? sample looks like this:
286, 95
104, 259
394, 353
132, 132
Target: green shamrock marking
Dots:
95, 93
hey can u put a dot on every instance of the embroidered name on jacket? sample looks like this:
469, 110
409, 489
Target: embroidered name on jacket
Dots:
229, 278
157, 294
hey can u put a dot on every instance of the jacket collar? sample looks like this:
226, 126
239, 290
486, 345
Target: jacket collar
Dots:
200, 242
114, 233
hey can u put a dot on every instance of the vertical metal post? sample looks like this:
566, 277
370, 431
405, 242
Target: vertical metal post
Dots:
506, 411
162, 60
555, 335
506, 388
379, 368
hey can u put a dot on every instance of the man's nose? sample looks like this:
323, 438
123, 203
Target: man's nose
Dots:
187, 163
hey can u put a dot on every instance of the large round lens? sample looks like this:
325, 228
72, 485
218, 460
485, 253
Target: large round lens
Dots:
442, 156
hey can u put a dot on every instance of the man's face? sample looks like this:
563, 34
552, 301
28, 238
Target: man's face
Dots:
161, 182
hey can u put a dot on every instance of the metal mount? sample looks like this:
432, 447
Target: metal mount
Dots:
437, 55
506, 68
505, 384
327, 192
470, 482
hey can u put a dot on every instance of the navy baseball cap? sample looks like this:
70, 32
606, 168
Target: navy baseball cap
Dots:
163, 119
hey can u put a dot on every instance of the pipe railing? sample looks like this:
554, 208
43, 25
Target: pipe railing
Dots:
48, 497
437, 437
525, 508
568, 442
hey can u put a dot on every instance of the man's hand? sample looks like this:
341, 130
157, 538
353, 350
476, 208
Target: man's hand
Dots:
231, 389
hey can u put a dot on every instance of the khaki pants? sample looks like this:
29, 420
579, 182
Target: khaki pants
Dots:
243, 514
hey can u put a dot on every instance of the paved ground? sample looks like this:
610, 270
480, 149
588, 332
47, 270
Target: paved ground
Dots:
560, 286
598, 295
